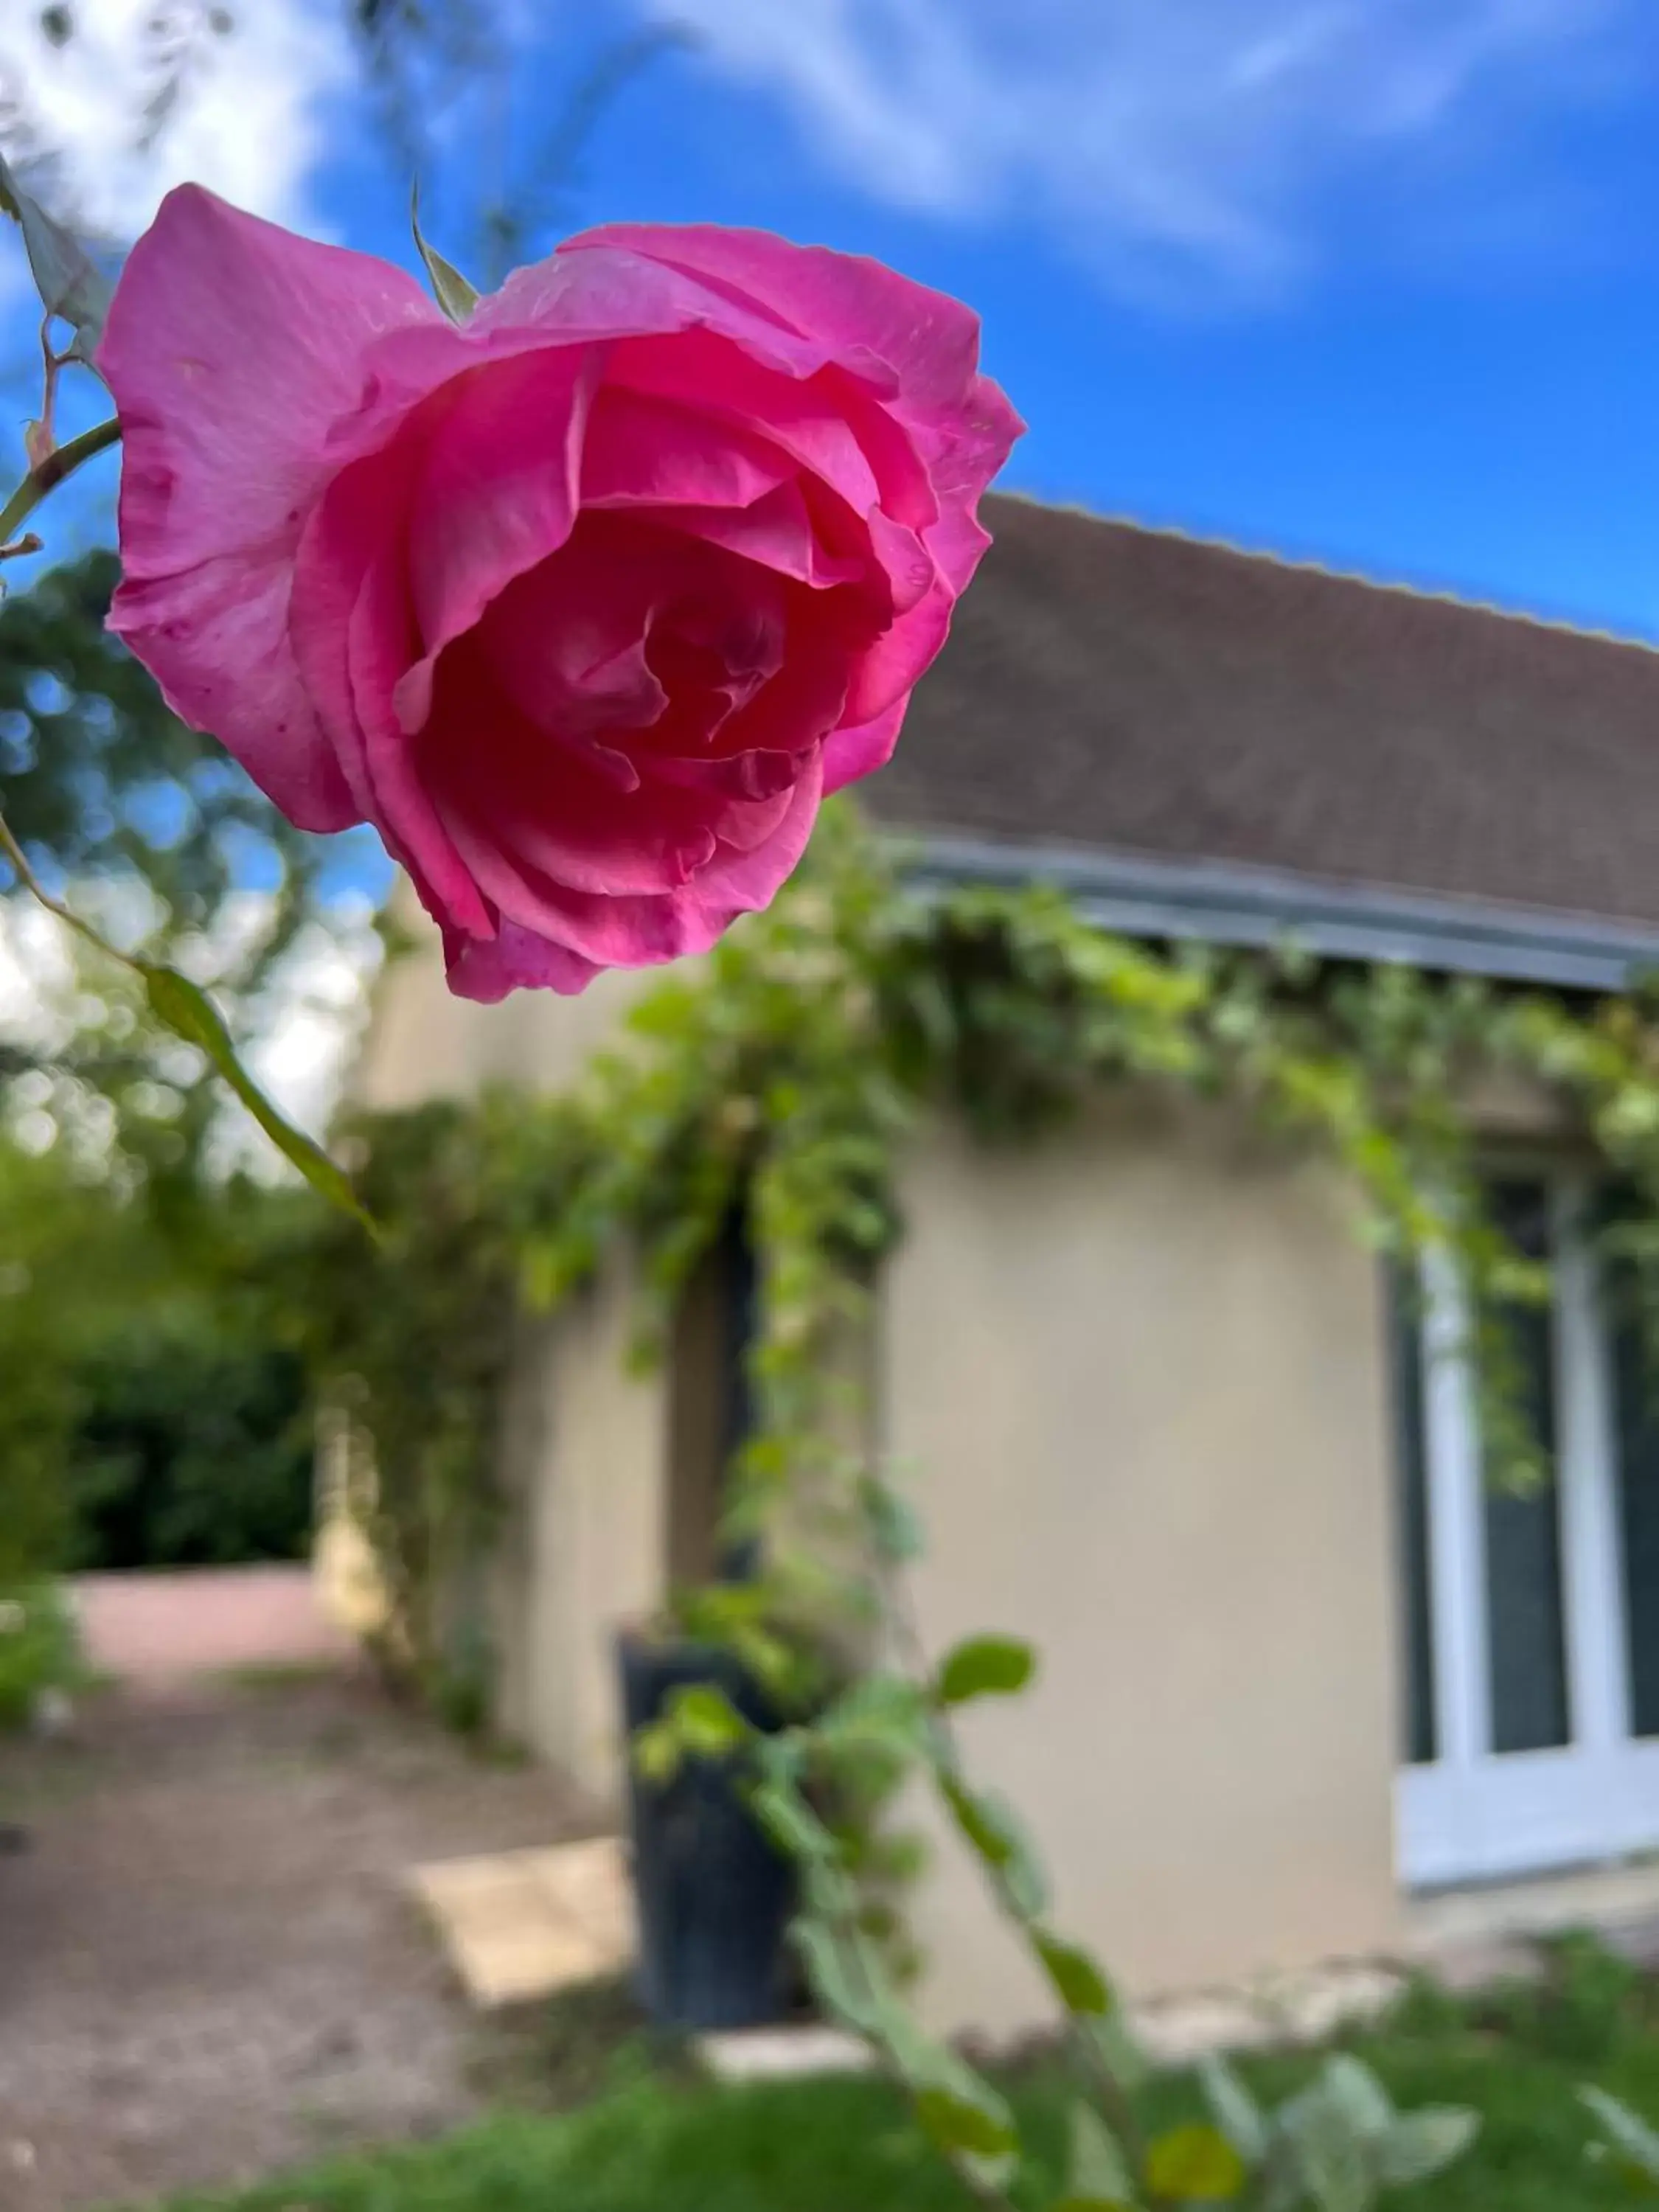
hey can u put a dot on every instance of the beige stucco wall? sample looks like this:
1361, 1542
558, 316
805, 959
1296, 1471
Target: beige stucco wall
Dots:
584, 1548
1139, 1375
421, 1042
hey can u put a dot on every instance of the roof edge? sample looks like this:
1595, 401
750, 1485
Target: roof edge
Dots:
1449, 596
1226, 903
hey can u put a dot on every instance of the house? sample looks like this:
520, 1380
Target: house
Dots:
1163, 1412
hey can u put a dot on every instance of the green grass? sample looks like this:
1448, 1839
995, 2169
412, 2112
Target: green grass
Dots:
652, 2141
278, 1675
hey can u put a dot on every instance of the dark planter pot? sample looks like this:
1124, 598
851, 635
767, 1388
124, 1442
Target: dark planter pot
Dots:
714, 1897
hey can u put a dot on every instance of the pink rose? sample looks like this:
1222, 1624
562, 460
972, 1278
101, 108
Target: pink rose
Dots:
585, 603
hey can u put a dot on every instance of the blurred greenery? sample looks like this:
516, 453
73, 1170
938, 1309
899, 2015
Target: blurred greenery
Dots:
649, 2142
153, 1413
112, 797
39, 1650
192, 1447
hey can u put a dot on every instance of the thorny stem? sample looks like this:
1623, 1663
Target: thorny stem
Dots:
47, 474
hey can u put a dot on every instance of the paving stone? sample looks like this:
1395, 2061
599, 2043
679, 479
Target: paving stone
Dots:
523, 1925
773, 2054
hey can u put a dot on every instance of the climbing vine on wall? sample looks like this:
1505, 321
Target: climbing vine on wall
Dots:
786, 1074
791, 1066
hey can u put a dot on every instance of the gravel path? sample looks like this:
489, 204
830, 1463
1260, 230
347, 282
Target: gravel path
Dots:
208, 1972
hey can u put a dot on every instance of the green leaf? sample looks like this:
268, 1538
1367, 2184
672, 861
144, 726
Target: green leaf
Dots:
1077, 1981
1423, 2143
1234, 2110
185, 1009
1194, 2164
1635, 2142
985, 1667
884, 1711
1336, 2163
895, 1526
1120, 2054
1358, 2094
656, 1752
453, 293
833, 1977
1097, 2172
706, 1721
70, 284
967, 2116
993, 1828
791, 1824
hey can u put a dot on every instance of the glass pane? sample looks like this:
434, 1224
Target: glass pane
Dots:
1525, 1629
1412, 1523
1636, 1410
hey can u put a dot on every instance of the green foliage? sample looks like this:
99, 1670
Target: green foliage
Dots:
1576, 2009
101, 780
149, 830
786, 1074
1077, 1982
192, 1445
842, 2144
1633, 2143
185, 1009
150, 1415
1194, 2164
56, 1269
454, 294
1098, 2178
1339, 2145
411, 1337
72, 288
984, 1666
39, 1650
790, 1067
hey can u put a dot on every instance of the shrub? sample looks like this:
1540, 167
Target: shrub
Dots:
193, 1448
39, 1650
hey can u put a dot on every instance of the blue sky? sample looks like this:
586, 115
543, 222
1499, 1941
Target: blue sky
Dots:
1371, 281
1375, 282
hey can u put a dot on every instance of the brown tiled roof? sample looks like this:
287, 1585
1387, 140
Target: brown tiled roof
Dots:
1140, 693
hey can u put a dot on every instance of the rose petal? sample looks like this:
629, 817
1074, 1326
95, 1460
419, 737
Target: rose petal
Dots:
699, 370
640, 451
520, 810
618, 294
964, 453
636, 931
853, 306
379, 639
515, 959
888, 672
232, 348
851, 753
859, 310
353, 631
776, 532
499, 486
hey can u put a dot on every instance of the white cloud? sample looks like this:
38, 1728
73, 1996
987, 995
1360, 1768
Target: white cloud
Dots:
1171, 139
248, 119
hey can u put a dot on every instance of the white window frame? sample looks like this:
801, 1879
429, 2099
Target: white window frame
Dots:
1472, 1814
